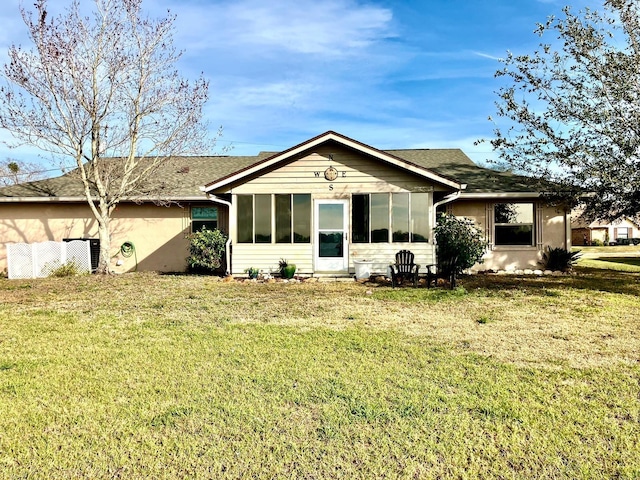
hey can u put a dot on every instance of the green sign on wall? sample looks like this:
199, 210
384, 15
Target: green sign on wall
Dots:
209, 213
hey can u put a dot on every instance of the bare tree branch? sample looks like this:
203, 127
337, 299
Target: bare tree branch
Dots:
104, 91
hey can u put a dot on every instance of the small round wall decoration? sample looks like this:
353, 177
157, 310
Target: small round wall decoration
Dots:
331, 174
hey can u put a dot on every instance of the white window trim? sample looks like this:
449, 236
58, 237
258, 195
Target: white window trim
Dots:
537, 226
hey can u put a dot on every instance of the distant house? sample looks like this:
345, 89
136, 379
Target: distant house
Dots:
322, 205
623, 230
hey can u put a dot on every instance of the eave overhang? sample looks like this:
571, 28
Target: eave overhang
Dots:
505, 195
198, 198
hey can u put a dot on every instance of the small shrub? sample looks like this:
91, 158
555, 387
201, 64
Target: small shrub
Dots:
206, 248
597, 243
559, 258
253, 272
460, 245
69, 269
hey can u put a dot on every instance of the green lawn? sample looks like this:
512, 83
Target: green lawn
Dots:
149, 376
620, 258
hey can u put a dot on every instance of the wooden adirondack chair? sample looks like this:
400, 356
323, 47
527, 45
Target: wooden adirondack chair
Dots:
404, 269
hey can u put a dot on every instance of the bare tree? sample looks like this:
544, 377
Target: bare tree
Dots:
13, 172
570, 110
104, 90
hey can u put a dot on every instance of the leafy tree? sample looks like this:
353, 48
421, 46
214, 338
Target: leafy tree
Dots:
102, 90
207, 249
13, 172
572, 108
460, 245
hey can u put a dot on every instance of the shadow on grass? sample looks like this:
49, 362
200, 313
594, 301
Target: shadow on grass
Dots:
595, 279
634, 261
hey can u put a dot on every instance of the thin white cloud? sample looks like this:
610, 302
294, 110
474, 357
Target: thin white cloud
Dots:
329, 28
486, 55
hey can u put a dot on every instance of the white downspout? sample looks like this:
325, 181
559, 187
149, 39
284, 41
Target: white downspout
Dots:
447, 199
227, 246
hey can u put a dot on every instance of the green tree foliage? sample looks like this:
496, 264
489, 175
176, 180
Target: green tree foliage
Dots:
207, 251
13, 172
460, 245
570, 111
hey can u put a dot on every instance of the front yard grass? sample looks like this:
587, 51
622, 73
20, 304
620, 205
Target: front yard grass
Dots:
150, 376
622, 258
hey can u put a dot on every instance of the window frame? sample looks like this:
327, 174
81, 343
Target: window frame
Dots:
203, 220
276, 226
408, 209
516, 224
626, 233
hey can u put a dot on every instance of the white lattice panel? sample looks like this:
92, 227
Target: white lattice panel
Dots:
41, 259
19, 260
79, 252
47, 257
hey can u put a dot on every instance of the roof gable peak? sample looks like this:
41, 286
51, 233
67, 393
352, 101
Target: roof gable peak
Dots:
384, 156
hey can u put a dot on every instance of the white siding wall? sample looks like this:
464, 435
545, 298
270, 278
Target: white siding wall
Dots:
265, 256
355, 174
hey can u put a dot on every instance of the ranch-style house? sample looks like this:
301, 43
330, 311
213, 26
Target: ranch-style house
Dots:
323, 205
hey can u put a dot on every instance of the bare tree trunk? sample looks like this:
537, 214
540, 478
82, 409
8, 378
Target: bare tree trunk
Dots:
104, 235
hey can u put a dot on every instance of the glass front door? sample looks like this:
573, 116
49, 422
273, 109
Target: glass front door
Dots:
331, 232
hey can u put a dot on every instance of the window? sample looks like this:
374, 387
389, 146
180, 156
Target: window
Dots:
262, 219
204, 218
379, 217
375, 215
513, 223
291, 215
360, 219
301, 218
419, 217
283, 218
400, 216
622, 232
245, 218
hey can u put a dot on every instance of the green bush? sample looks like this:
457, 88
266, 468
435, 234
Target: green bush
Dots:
460, 245
69, 269
207, 250
559, 258
253, 272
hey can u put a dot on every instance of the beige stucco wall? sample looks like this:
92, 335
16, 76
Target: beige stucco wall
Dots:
551, 229
158, 233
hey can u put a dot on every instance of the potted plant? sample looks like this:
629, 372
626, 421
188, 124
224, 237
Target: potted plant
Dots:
286, 269
252, 272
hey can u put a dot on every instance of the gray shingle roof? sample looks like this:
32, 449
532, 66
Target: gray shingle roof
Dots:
183, 176
453, 163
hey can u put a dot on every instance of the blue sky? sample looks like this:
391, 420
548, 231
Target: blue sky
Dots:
392, 74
